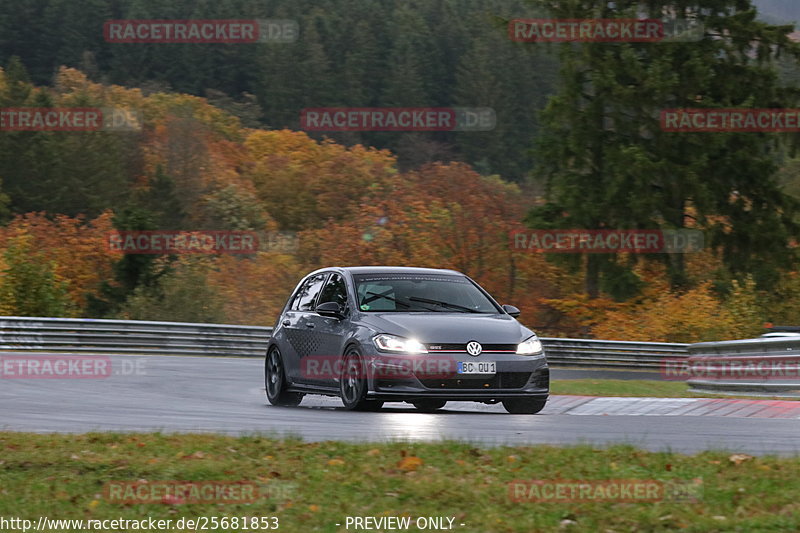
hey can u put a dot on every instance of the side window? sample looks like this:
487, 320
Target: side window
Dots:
335, 291
305, 297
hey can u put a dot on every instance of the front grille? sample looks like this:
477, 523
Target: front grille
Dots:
435, 347
501, 380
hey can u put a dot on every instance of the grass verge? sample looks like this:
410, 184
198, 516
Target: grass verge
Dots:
636, 388
317, 485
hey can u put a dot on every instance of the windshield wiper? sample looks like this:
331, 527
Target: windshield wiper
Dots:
376, 295
444, 304
384, 296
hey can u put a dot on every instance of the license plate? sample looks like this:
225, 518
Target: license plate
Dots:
475, 367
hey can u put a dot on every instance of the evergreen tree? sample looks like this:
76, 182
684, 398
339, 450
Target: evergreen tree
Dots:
609, 164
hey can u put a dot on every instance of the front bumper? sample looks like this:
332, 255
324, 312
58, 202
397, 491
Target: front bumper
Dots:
426, 376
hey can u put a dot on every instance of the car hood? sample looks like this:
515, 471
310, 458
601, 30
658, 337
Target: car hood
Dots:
449, 328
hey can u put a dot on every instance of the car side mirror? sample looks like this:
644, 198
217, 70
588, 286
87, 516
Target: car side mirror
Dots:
330, 309
511, 310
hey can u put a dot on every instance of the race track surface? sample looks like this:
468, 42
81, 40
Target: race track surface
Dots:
197, 394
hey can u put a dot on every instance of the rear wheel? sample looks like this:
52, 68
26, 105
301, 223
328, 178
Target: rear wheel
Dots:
524, 406
353, 384
429, 406
275, 381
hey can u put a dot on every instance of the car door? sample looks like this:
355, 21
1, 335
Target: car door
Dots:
331, 331
301, 337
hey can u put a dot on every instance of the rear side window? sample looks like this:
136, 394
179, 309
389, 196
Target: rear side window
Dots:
307, 294
335, 291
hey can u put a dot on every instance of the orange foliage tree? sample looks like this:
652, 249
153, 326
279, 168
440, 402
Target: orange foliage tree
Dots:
443, 216
303, 183
254, 289
77, 248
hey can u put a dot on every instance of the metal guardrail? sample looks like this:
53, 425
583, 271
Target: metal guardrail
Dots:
77, 335
768, 365
82, 335
623, 355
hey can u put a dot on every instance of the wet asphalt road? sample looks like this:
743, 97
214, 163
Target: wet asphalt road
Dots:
196, 394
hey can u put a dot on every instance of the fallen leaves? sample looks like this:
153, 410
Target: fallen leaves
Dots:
195, 455
409, 463
739, 458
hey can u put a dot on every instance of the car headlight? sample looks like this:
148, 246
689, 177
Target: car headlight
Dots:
531, 346
393, 343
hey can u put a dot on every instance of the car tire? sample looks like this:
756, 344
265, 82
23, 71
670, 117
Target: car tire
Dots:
429, 406
524, 406
353, 384
275, 381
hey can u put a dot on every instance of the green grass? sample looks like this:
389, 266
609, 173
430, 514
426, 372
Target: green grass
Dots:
64, 477
620, 387
635, 388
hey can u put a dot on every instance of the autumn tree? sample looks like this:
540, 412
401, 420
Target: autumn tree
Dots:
29, 285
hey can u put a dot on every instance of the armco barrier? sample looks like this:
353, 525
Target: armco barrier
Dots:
761, 366
80, 335
623, 355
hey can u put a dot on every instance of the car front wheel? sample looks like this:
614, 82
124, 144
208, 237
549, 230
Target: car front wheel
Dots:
353, 384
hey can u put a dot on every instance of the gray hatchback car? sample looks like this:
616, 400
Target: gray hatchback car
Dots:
425, 336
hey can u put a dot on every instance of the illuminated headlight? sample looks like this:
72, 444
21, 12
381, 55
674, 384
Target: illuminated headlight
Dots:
532, 346
392, 343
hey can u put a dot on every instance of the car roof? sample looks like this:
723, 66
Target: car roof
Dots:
392, 270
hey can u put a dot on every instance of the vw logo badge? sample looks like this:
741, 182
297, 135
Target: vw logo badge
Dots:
474, 348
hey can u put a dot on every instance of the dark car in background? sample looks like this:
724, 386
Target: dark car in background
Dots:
398, 334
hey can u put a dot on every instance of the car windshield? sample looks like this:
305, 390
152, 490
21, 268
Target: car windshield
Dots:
401, 293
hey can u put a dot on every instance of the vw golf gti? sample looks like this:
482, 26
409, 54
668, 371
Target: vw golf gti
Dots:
371, 335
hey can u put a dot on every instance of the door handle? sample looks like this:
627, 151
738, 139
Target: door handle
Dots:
287, 323
309, 324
